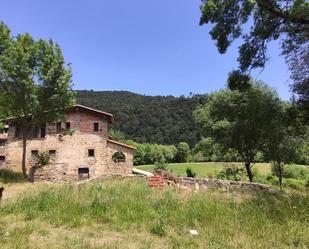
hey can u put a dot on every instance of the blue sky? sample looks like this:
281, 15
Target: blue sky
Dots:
148, 47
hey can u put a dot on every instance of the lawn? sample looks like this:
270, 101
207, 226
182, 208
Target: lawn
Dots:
126, 213
207, 169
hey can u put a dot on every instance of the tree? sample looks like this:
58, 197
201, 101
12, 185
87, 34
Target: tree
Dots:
35, 83
183, 151
238, 120
284, 140
266, 21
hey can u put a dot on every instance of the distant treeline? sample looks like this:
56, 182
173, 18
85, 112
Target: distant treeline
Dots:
148, 119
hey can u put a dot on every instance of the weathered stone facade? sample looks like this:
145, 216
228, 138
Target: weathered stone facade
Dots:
79, 148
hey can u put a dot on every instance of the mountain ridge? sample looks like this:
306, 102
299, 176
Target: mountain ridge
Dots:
145, 118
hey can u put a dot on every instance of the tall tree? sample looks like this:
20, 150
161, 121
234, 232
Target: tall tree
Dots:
283, 140
183, 151
35, 82
265, 21
238, 120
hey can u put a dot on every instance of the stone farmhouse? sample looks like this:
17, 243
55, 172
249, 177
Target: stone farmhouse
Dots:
79, 148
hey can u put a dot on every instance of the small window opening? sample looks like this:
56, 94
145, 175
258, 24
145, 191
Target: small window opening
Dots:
34, 154
91, 153
83, 173
58, 127
52, 153
119, 157
2, 160
67, 125
43, 131
96, 127
18, 132
2, 142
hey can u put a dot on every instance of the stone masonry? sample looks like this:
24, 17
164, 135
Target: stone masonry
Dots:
79, 148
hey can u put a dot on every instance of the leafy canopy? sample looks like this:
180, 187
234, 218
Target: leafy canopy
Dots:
258, 22
34, 79
238, 120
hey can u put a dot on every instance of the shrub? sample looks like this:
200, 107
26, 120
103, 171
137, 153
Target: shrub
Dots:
297, 172
294, 183
232, 171
190, 172
161, 165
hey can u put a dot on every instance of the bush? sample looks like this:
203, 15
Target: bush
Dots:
232, 171
161, 165
294, 183
297, 172
190, 172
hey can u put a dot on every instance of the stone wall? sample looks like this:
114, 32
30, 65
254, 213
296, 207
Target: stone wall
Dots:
120, 167
221, 184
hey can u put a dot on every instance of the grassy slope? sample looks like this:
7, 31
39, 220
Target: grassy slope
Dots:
203, 169
125, 213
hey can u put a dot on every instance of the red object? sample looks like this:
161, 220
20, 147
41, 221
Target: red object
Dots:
157, 181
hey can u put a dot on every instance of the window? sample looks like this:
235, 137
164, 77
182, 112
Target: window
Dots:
52, 153
118, 157
2, 142
34, 154
18, 132
36, 132
2, 160
67, 125
91, 153
96, 127
58, 127
43, 131
83, 173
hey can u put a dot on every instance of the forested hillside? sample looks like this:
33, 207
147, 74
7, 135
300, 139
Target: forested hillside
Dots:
152, 119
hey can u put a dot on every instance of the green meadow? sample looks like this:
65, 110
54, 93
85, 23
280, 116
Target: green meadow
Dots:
126, 213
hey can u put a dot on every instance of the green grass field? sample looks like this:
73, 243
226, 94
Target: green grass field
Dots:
126, 213
203, 169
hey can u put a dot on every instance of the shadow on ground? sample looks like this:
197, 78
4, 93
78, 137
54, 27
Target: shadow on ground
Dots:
8, 176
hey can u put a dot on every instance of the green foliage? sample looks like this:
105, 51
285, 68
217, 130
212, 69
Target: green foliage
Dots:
42, 159
118, 157
1, 127
148, 119
117, 135
151, 153
232, 171
258, 23
238, 120
208, 151
35, 82
238, 81
297, 172
183, 151
190, 172
160, 165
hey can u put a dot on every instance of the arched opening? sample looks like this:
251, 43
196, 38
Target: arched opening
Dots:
119, 157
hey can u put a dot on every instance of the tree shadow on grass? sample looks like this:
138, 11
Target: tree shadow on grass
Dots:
8, 176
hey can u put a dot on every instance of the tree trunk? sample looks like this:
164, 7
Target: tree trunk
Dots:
280, 175
31, 173
23, 162
249, 171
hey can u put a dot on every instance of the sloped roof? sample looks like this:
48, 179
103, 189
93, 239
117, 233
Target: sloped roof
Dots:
121, 144
109, 116
83, 107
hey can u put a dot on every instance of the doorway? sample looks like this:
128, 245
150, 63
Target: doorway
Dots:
83, 173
